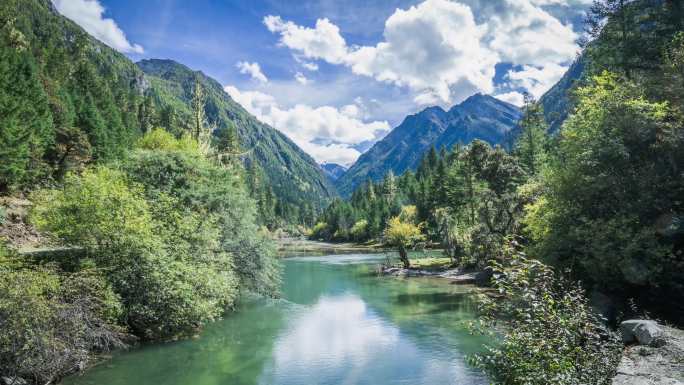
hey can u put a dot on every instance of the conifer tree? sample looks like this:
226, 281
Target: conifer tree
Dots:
25, 121
532, 143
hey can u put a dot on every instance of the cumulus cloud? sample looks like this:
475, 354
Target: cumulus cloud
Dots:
513, 97
321, 42
301, 79
527, 35
441, 53
536, 80
326, 133
89, 14
253, 70
310, 66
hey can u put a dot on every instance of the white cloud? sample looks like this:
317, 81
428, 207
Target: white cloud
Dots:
301, 79
513, 97
321, 42
89, 15
434, 49
438, 50
310, 66
326, 133
527, 35
253, 70
536, 80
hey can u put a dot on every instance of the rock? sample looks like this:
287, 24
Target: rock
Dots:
651, 365
645, 332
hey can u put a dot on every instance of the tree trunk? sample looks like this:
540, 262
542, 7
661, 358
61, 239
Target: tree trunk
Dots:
403, 255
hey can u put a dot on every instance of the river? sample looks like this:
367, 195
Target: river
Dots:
336, 323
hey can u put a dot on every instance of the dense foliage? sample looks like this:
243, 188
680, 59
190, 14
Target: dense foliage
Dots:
66, 99
164, 241
601, 201
552, 335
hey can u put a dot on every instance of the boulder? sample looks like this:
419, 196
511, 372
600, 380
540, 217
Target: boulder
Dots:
644, 332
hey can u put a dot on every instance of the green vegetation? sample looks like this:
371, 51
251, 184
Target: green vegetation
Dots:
169, 239
288, 185
403, 232
600, 202
68, 101
552, 334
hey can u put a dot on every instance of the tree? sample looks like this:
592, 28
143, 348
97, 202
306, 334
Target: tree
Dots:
25, 121
403, 232
200, 130
532, 142
612, 190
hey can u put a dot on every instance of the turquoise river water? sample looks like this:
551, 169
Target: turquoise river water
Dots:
337, 323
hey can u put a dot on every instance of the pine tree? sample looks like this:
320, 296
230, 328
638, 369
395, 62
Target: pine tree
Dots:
25, 120
200, 129
532, 143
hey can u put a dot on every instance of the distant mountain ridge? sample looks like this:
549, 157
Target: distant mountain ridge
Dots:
557, 101
333, 171
478, 117
293, 175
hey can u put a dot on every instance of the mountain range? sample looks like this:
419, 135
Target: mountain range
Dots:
97, 102
333, 170
96, 97
478, 117
292, 174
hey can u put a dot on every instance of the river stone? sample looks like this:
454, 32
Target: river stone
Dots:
645, 332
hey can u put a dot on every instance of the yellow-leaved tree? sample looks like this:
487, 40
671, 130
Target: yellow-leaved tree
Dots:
403, 232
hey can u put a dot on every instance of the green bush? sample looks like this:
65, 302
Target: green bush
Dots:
549, 334
208, 215
52, 324
165, 290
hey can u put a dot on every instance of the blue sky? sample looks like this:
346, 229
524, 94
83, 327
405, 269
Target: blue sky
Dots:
335, 75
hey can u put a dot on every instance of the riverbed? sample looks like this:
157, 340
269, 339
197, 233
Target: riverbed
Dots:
336, 322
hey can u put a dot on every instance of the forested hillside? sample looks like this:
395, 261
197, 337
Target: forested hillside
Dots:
479, 117
287, 182
87, 103
67, 99
156, 233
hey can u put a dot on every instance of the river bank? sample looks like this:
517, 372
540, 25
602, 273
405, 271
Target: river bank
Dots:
336, 322
292, 246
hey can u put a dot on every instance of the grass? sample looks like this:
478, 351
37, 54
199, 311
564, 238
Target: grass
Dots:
431, 263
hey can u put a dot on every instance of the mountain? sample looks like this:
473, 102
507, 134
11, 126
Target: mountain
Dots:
557, 100
292, 174
333, 171
478, 117
89, 103
76, 98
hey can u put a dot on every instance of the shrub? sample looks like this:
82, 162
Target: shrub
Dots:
207, 215
160, 139
167, 287
359, 232
550, 334
52, 324
320, 231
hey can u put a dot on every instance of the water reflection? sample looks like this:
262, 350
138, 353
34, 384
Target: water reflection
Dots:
336, 324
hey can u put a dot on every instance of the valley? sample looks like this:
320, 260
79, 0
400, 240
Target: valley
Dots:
445, 192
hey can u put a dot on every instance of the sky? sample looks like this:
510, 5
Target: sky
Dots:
336, 75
